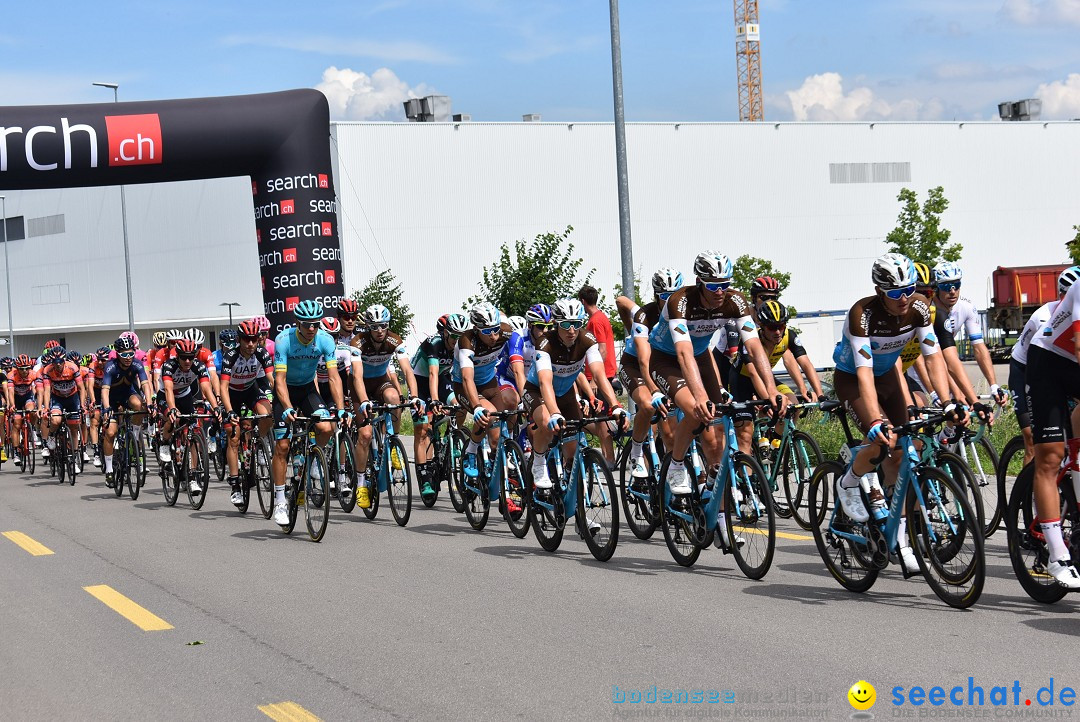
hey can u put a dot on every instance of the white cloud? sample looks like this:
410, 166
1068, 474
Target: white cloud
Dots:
1042, 12
1061, 98
354, 95
822, 98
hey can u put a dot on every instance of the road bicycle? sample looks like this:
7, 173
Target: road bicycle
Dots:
253, 464
499, 476
448, 443
340, 454
791, 459
190, 464
388, 466
307, 478
129, 456
64, 460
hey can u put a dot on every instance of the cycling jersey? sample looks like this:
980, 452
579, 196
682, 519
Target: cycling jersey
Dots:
217, 357
1057, 333
242, 373
685, 317
63, 380
345, 355
23, 382
184, 382
116, 375
377, 356
873, 337
299, 360
203, 356
644, 319
482, 359
271, 347
564, 362
963, 316
912, 351
514, 350
432, 352
790, 340
1033, 326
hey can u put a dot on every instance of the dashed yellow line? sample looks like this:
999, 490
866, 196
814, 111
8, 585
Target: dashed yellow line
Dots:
288, 712
36, 548
779, 534
141, 617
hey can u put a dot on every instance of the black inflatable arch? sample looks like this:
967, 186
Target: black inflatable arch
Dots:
280, 140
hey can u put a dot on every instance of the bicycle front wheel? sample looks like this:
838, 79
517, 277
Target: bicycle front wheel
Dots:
751, 524
120, 465
346, 477
637, 497
515, 490
260, 468
982, 461
197, 470
60, 453
846, 560
800, 459
455, 476
317, 493
170, 484
959, 471
1027, 550
399, 490
597, 509
678, 533
1009, 465
135, 466
946, 537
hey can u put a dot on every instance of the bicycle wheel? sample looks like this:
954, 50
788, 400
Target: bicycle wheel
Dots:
316, 493
120, 467
346, 485
61, 453
1027, 550
29, 452
196, 468
548, 525
946, 537
217, 457
800, 459
982, 461
134, 467
260, 467
958, 470
1010, 463
170, 483
477, 506
293, 495
429, 500
637, 497
845, 559
678, 533
750, 515
597, 509
456, 491
515, 490
399, 490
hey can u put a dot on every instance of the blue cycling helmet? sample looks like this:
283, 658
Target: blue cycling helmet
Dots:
376, 313
538, 313
229, 337
74, 356
947, 272
308, 311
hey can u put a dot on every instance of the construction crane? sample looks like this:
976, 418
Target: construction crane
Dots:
748, 59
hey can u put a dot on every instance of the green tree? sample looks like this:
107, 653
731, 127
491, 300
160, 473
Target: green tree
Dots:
1074, 247
918, 233
537, 271
384, 288
747, 268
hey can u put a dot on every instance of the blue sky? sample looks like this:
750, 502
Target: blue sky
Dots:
498, 59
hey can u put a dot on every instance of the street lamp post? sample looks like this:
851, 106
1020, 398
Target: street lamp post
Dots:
7, 276
626, 247
123, 215
230, 304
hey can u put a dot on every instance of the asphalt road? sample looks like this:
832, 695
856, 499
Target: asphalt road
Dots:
438, 621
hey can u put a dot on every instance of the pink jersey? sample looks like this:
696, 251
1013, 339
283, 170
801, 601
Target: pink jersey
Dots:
270, 347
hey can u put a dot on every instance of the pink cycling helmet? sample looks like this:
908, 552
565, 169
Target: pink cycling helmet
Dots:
263, 321
132, 335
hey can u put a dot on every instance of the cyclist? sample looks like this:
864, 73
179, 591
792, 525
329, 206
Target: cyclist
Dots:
298, 351
869, 383
549, 398
61, 393
347, 311
682, 365
378, 347
228, 340
246, 374
124, 385
431, 366
1018, 361
97, 370
172, 336
20, 388
264, 334
186, 381
474, 377
960, 314
635, 368
1052, 379
351, 370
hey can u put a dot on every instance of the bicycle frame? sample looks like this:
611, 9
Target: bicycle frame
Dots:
495, 480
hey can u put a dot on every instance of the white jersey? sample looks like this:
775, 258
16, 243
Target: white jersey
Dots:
963, 316
1033, 326
1057, 333
345, 356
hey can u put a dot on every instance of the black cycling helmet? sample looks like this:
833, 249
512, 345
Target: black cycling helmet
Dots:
773, 313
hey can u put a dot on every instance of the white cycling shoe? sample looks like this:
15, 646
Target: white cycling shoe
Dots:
851, 501
542, 481
281, 513
237, 498
907, 558
1064, 572
678, 481
640, 470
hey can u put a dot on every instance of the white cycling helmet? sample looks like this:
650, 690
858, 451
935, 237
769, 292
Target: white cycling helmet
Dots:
173, 334
713, 266
947, 272
666, 280
567, 309
457, 324
893, 270
1067, 278
484, 315
376, 313
517, 323
194, 334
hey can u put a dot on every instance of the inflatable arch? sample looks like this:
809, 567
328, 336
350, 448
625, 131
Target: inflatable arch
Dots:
281, 140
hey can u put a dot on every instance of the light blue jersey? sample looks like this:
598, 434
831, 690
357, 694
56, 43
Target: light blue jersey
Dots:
300, 361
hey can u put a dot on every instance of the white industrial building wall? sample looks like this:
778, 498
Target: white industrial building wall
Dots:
433, 201
192, 248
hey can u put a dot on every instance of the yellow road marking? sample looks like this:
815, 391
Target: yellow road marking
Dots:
780, 534
129, 610
35, 548
287, 712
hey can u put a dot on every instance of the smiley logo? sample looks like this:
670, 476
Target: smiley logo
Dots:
862, 695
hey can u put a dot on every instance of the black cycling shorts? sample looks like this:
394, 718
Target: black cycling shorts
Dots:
306, 400
1051, 381
1018, 385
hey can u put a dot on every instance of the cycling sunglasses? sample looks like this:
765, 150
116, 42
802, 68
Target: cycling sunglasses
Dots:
716, 286
567, 325
763, 299
306, 324
249, 338
491, 330
542, 325
950, 286
898, 293
185, 357
378, 326
774, 326
125, 354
